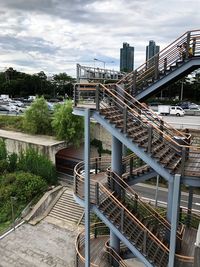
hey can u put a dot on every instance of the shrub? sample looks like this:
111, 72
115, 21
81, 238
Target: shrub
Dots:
11, 122
3, 151
12, 159
32, 161
37, 118
3, 166
28, 186
21, 185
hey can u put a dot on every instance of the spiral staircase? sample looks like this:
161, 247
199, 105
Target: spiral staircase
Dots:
163, 150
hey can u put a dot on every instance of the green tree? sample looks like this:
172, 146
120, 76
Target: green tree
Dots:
67, 126
64, 83
37, 118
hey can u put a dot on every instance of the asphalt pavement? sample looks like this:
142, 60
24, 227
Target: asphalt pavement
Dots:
191, 122
148, 192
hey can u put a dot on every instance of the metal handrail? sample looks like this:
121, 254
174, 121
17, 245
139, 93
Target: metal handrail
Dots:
110, 253
105, 194
118, 101
162, 60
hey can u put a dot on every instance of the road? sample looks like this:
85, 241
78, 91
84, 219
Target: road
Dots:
191, 122
147, 192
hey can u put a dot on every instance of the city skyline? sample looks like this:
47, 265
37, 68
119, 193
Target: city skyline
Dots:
55, 35
126, 58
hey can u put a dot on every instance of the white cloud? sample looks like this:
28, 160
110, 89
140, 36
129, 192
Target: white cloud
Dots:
52, 35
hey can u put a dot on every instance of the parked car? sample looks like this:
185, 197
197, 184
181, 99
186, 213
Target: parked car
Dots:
4, 108
188, 105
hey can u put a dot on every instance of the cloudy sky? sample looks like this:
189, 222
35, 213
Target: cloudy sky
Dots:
54, 35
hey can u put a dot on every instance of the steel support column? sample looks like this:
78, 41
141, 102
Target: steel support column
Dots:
174, 218
116, 165
170, 200
87, 187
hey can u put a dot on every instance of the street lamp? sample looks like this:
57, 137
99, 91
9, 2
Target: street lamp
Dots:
104, 62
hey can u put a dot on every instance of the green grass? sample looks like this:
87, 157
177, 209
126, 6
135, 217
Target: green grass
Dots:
11, 122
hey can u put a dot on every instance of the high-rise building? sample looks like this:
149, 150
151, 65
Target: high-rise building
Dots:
151, 50
126, 58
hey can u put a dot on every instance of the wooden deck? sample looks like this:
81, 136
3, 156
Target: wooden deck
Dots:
189, 239
96, 251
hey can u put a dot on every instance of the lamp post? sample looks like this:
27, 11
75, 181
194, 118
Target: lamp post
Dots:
104, 62
12, 199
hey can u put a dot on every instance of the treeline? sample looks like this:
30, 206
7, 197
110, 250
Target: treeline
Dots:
189, 88
19, 84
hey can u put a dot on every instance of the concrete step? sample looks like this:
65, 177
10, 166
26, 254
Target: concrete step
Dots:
66, 208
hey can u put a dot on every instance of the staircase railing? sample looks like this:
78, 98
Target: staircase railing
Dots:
143, 210
105, 253
142, 110
101, 164
103, 196
149, 72
131, 111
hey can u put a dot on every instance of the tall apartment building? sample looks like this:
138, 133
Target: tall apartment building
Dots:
126, 58
151, 50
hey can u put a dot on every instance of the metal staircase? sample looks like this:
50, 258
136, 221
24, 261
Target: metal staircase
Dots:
142, 227
164, 67
164, 149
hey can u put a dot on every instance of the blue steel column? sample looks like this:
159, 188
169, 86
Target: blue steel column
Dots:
174, 218
169, 200
87, 187
116, 165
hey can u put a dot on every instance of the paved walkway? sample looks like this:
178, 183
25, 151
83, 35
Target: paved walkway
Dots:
42, 245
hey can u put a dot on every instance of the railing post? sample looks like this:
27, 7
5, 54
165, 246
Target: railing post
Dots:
75, 181
150, 131
131, 166
134, 82
125, 119
183, 159
165, 64
122, 220
136, 202
96, 166
161, 129
145, 242
193, 46
97, 97
188, 44
156, 62
97, 193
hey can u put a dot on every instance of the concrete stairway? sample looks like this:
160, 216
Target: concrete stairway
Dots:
66, 209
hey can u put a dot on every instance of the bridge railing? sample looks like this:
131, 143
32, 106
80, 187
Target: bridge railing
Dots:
148, 72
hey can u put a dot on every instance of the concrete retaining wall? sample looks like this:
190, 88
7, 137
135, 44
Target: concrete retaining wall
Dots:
18, 142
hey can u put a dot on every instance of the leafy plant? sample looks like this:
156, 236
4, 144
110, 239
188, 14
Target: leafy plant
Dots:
67, 126
3, 151
38, 164
37, 118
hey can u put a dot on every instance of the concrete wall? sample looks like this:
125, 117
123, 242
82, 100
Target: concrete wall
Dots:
98, 132
18, 146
